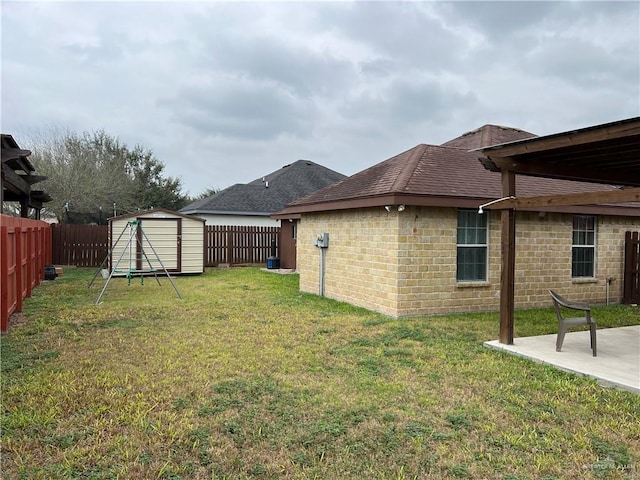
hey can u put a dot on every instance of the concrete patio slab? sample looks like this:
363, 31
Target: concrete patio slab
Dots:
617, 364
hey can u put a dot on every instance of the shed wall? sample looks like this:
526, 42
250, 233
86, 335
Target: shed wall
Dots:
192, 246
404, 263
178, 242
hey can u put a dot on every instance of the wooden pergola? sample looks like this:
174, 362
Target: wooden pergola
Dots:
18, 175
607, 154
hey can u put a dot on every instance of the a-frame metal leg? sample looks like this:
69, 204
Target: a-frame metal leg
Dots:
107, 257
144, 235
115, 266
128, 246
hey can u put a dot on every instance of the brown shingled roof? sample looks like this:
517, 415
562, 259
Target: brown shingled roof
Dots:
487, 135
445, 175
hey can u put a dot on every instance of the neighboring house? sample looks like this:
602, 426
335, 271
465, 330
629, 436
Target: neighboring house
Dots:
253, 203
405, 236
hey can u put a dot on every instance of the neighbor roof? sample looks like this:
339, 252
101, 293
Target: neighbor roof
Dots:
267, 194
434, 175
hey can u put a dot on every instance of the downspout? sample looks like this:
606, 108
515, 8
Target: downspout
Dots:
321, 274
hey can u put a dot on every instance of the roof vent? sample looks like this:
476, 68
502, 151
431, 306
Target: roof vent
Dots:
266, 184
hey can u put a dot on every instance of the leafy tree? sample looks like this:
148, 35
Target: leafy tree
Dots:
93, 175
152, 189
206, 193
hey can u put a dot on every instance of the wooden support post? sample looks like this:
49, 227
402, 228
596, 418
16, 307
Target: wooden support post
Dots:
24, 207
508, 247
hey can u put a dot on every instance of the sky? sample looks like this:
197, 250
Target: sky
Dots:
226, 92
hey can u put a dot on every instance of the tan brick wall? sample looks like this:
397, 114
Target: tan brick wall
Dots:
543, 258
361, 261
428, 265
404, 263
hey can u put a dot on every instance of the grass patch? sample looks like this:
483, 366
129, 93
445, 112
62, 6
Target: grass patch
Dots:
246, 377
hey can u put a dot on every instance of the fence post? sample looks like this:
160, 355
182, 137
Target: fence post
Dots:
39, 260
30, 262
4, 277
19, 269
631, 286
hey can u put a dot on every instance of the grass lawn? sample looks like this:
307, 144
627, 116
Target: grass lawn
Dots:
246, 377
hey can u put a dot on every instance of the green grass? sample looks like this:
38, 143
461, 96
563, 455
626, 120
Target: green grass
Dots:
246, 377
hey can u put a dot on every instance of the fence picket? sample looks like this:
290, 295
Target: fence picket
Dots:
88, 245
238, 245
80, 245
24, 251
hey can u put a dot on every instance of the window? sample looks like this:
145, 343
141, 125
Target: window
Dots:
583, 250
472, 246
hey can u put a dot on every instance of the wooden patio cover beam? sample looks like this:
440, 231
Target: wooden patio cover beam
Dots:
14, 182
592, 198
547, 169
587, 136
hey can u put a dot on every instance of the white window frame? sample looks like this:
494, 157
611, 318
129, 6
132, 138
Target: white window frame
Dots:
484, 245
583, 243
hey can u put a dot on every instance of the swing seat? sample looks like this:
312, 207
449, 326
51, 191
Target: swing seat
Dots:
133, 273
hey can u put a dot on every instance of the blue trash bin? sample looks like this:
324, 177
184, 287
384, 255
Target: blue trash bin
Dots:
273, 262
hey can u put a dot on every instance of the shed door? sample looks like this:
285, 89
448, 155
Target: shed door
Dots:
159, 238
287, 243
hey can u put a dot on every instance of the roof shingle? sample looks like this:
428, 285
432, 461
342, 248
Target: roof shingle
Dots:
267, 194
448, 170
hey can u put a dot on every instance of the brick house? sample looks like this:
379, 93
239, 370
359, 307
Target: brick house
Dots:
406, 237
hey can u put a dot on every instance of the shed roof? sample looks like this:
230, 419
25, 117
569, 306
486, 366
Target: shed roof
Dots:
151, 211
269, 193
436, 175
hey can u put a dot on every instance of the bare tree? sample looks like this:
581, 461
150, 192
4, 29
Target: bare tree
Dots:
92, 176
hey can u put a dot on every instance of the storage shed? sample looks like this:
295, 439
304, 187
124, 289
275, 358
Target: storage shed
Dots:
148, 240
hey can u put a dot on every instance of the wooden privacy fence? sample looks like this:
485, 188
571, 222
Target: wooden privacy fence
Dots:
25, 248
631, 289
236, 245
80, 245
88, 245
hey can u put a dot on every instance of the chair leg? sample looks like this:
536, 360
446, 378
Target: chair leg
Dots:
561, 331
593, 339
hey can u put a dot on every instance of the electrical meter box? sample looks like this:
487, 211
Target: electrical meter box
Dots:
322, 240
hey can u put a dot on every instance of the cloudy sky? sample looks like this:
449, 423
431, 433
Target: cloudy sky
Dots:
224, 93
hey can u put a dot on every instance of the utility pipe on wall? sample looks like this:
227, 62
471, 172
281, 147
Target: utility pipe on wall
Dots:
322, 242
321, 279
